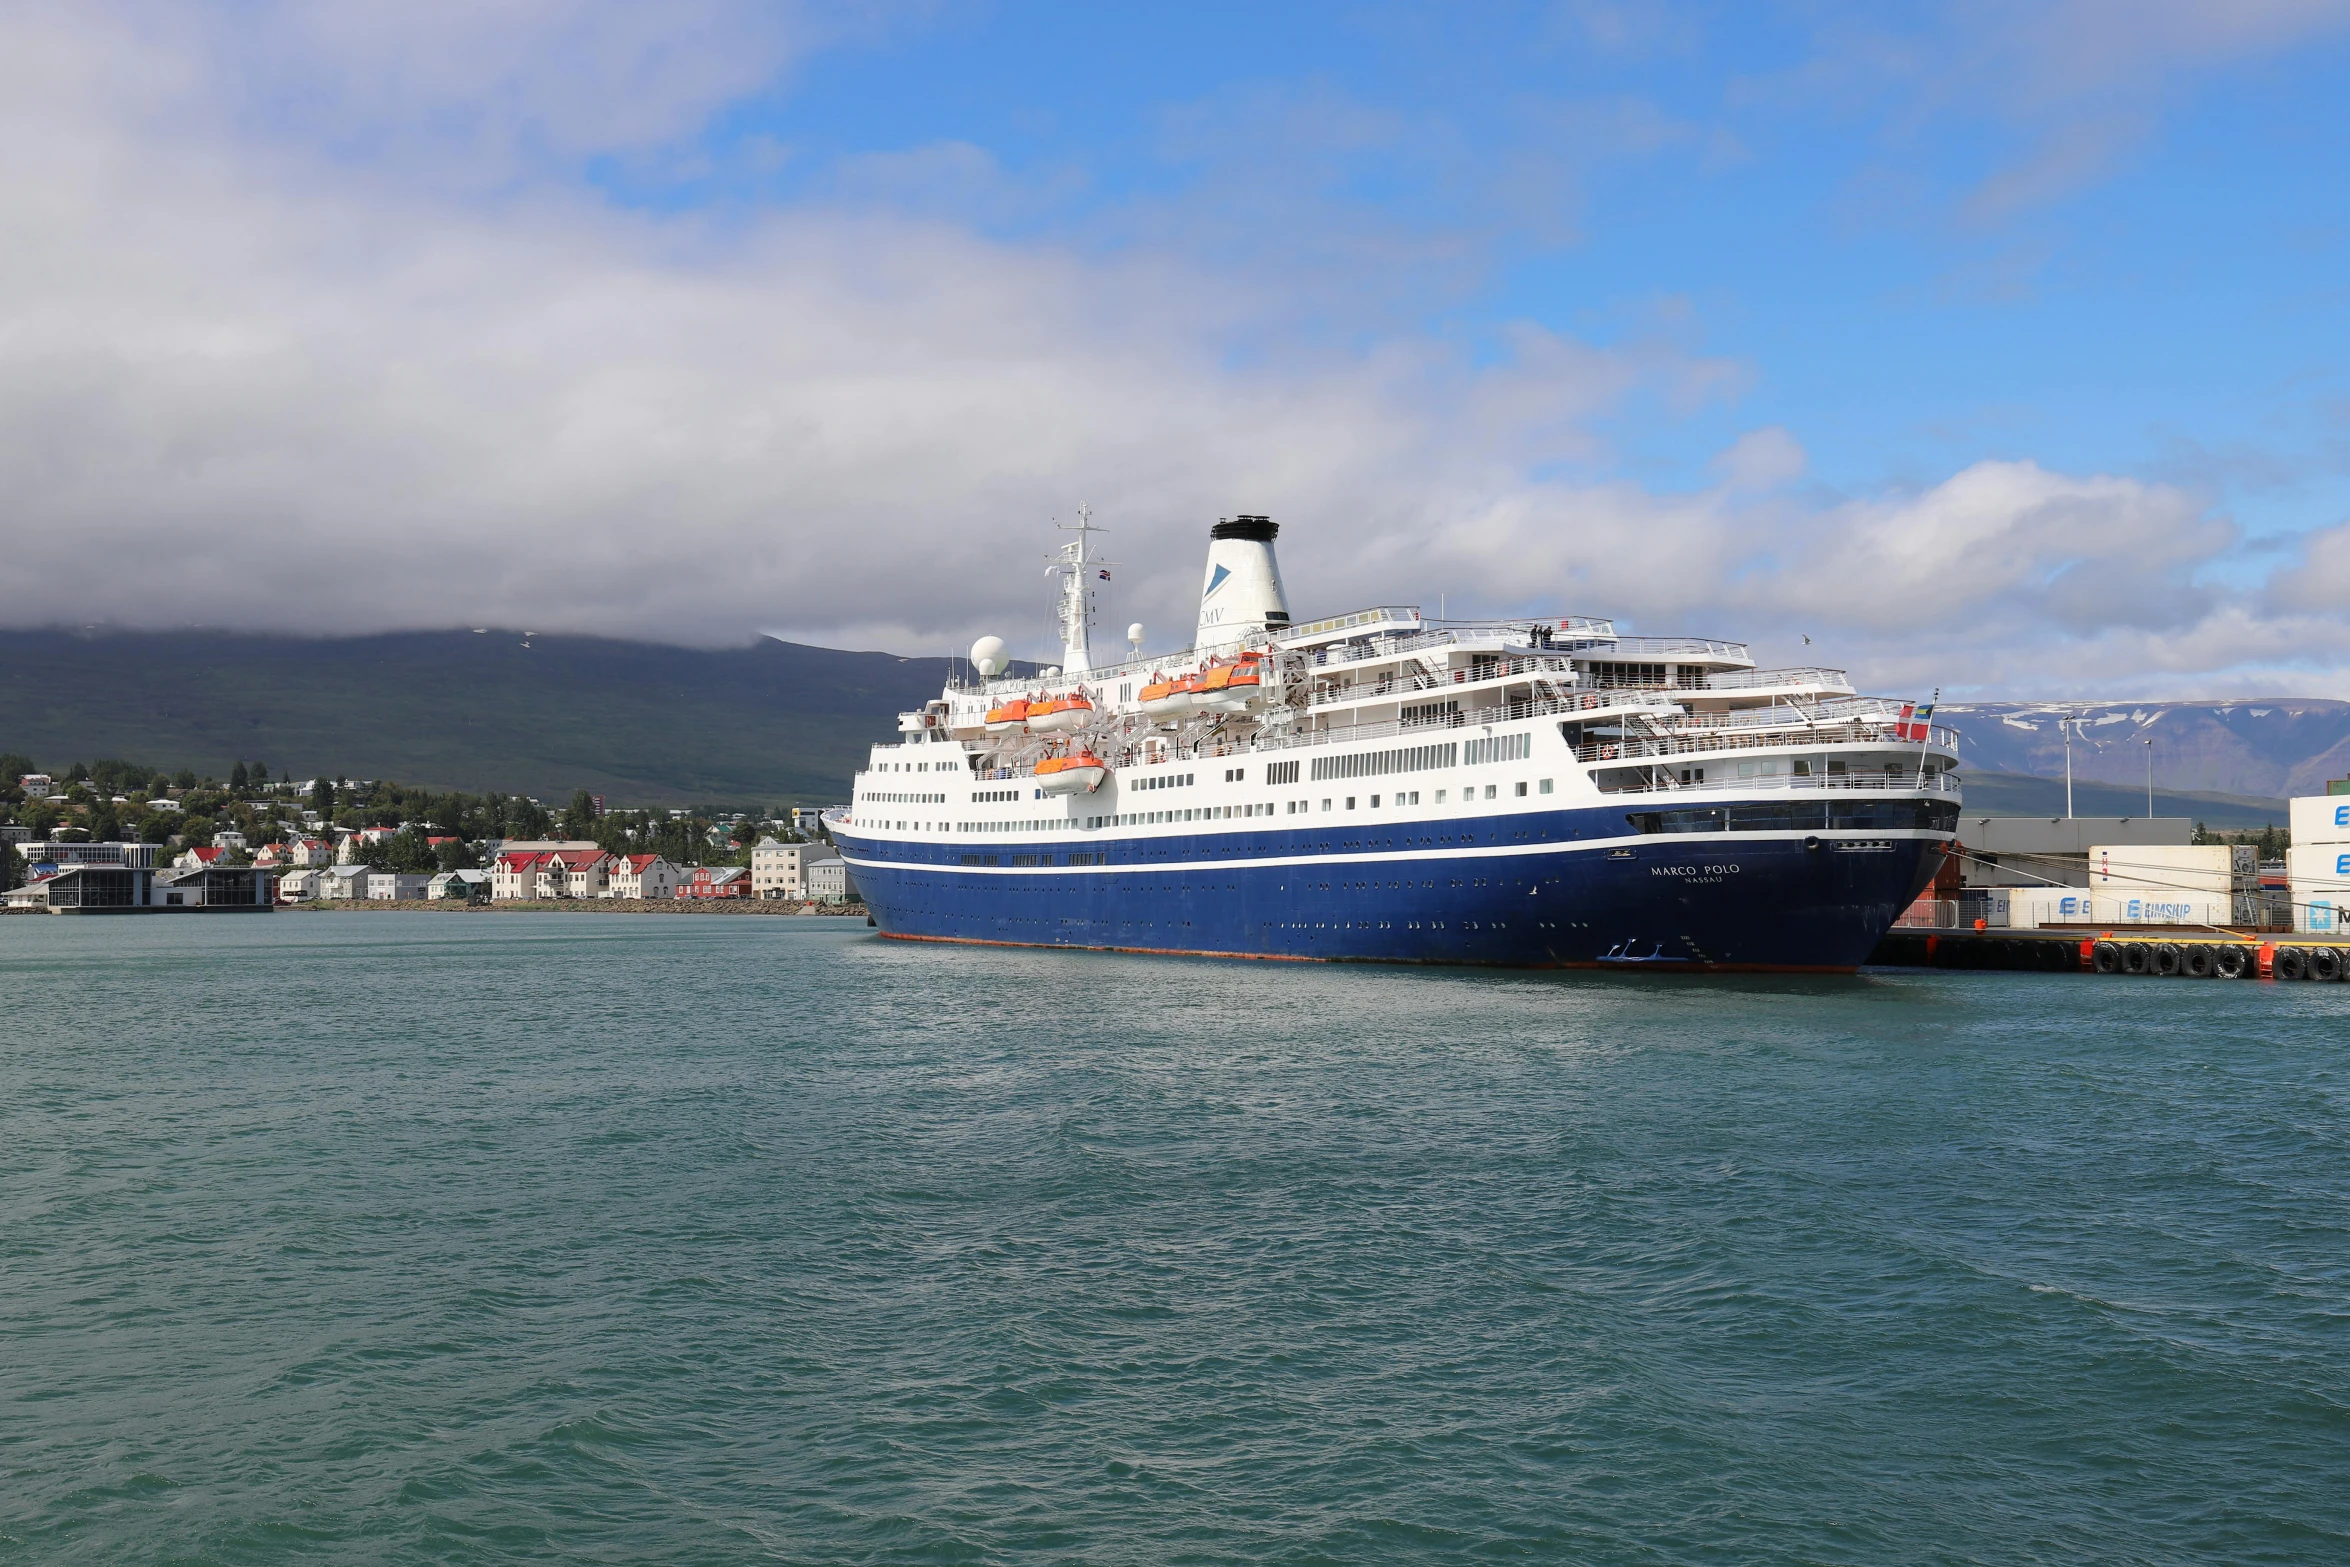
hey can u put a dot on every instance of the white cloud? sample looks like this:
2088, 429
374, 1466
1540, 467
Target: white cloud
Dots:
248, 381
1762, 460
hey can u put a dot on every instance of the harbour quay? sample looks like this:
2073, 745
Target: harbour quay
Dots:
2146, 954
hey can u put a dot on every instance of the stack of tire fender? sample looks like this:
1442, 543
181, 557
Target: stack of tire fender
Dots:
2217, 960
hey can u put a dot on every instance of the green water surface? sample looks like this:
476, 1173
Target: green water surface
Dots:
427, 1238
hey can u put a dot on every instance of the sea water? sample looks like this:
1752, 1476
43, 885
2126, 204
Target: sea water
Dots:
506, 1238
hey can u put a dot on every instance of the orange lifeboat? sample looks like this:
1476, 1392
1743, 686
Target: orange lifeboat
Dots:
1079, 774
1062, 715
1169, 698
1230, 688
1012, 715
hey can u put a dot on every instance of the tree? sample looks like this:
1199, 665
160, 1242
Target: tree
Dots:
238, 779
185, 778
260, 775
322, 796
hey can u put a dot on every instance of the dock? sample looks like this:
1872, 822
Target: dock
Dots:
2152, 953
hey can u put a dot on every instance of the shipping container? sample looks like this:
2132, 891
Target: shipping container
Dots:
2030, 908
2323, 914
2320, 818
2320, 877
2163, 908
2192, 868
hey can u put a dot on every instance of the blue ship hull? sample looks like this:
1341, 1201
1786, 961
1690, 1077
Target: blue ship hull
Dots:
1553, 890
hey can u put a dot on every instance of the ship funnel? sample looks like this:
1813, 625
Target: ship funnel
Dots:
1241, 595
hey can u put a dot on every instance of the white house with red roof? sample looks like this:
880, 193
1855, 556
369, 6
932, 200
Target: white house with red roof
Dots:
309, 853
640, 876
549, 873
586, 872
197, 859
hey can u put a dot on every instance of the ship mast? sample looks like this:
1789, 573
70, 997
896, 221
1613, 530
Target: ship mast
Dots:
1077, 564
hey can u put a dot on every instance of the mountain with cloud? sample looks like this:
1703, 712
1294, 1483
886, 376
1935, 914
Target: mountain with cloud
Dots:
766, 724
2271, 747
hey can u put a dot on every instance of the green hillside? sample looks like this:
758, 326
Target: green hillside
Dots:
773, 723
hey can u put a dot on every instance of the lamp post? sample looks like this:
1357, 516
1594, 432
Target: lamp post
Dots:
2148, 742
2066, 726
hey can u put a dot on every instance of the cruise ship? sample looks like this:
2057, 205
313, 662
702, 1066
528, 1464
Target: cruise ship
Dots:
1378, 786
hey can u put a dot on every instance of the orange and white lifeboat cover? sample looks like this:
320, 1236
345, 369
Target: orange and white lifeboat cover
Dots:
1230, 687
1061, 715
1081, 773
1166, 696
1012, 715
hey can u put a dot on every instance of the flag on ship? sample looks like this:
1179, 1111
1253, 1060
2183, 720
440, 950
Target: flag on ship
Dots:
1915, 722
1105, 573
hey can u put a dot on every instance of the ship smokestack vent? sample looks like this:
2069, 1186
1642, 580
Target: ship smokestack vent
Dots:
1241, 596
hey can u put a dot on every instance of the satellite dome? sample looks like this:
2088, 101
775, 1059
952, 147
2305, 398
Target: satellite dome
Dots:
987, 656
1134, 636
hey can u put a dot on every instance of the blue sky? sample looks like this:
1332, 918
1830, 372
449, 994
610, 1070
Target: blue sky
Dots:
1994, 346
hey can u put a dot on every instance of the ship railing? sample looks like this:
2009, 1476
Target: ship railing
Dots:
1809, 678
1633, 748
1786, 714
1455, 633
1683, 647
1903, 781
1412, 682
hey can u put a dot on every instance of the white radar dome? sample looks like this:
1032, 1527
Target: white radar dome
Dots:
987, 656
1134, 636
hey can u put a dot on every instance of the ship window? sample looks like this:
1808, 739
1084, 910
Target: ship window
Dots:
1374, 802
1325, 805
970, 859
1491, 790
1546, 786
1350, 802
1521, 788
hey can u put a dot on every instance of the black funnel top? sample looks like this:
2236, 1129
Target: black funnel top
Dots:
1257, 529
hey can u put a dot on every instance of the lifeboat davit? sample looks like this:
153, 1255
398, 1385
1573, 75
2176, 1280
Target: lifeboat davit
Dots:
1012, 715
1230, 688
1079, 774
1062, 715
1165, 698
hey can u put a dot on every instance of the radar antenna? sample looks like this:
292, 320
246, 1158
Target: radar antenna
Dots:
1080, 570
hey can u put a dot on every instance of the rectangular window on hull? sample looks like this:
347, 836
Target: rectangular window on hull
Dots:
1497, 748
1374, 764
1281, 773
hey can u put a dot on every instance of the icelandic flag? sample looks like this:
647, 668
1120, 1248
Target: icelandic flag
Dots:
1915, 722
